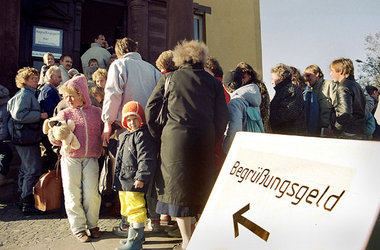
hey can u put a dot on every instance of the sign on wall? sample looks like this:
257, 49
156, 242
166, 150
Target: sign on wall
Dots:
292, 192
47, 40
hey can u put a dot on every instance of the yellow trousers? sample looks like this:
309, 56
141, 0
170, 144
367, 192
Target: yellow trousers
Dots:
132, 205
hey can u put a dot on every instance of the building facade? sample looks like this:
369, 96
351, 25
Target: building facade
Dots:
28, 29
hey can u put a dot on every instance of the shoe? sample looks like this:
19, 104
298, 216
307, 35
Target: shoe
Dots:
28, 210
135, 237
156, 227
120, 231
175, 232
82, 237
95, 232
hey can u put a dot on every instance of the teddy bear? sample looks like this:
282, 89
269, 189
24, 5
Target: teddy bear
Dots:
61, 130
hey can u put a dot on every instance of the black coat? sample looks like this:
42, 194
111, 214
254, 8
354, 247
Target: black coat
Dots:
350, 110
197, 118
136, 159
287, 110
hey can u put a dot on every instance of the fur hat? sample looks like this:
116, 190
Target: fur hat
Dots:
132, 108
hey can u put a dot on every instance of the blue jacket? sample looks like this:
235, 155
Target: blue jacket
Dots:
48, 99
248, 95
136, 159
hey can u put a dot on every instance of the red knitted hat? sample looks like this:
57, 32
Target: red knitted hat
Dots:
132, 108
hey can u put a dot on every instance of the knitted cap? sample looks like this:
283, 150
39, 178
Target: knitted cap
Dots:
132, 108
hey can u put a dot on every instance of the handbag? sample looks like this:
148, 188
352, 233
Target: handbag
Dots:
107, 173
48, 190
26, 133
163, 114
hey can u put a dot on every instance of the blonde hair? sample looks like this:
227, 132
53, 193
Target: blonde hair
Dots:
99, 74
343, 65
190, 52
68, 89
46, 57
282, 71
165, 61
51, 72
315, 69
97, 91
125, 45
23, 75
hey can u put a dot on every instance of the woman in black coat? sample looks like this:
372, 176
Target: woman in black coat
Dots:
197, 117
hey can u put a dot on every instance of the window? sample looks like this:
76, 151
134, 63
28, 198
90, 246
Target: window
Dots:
199, 28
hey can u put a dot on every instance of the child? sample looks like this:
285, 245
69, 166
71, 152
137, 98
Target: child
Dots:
100, 77
93, 63
25, 131
136, 160
97, 93
80, 169
49, 61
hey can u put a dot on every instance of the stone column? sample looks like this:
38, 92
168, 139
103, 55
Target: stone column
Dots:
10, 38
138, 24
180, 21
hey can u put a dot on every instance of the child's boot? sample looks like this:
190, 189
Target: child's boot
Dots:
135, 239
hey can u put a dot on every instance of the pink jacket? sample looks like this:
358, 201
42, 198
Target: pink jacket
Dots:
88, 123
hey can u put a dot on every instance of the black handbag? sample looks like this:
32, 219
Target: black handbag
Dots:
107, 173
163, 114
26, 133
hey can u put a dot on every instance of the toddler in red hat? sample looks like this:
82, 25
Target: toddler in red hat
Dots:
136, 160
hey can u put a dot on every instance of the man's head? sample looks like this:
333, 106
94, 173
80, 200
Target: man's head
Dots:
312, 74
66, 62
341, 68
100, 39
124, 46
133, 116
53, 76
372, 91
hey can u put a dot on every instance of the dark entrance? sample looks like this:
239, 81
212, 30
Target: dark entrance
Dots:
109, 19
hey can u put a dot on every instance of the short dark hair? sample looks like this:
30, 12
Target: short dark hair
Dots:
63, 57
370, 89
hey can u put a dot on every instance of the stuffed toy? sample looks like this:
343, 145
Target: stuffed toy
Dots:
60, 130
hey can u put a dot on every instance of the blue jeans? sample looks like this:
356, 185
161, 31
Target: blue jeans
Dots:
30, 168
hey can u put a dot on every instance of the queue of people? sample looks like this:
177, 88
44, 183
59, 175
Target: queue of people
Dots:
165, 171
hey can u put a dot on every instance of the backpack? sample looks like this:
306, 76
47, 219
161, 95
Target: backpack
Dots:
254, 121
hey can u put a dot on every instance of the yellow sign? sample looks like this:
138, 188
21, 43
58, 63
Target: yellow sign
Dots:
292, 192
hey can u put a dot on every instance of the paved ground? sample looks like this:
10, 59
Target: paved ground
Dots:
51, 231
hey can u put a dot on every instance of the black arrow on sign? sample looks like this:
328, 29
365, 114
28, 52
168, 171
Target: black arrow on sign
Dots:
238, 218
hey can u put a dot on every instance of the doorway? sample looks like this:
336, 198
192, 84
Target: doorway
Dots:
99, 17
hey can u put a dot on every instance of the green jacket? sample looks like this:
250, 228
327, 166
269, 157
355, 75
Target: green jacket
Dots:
325, 91
197, 118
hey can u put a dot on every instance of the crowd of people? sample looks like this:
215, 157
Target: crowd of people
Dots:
163, 170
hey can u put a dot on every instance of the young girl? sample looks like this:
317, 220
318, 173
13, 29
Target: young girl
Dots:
80, 169
136, 160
